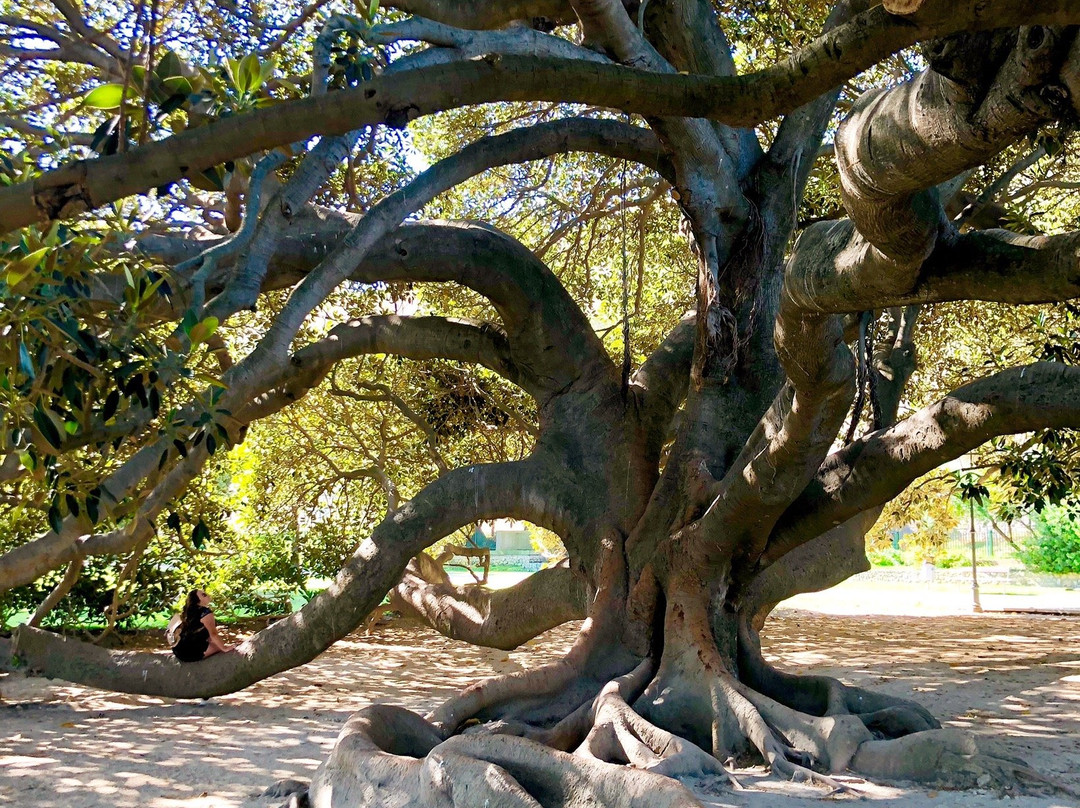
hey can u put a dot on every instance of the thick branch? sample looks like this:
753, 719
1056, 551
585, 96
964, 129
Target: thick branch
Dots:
791, 440
549, 336
663, 378
486, 14
411, 337
455, 44
897, 144
518, 145
821, 563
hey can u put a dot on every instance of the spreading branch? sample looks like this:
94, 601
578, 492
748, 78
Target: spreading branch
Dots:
738, 101
456, 499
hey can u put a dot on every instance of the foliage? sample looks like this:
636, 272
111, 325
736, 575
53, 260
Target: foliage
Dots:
259, 575
1055, 545
927, 510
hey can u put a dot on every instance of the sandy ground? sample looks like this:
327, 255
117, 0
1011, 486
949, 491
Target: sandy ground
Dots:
61, 746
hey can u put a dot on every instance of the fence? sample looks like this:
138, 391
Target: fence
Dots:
989, 544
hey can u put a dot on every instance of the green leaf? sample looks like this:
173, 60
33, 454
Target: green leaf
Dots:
71, 389
56, 521
112, 401
71, 427
169, 66
47, 428
202, 331
266, 70
178, 85
107, 96
373, 6
248, 74
138, 75
200, 534
231, 67
17, 271
25, 365
191, 319
93, 501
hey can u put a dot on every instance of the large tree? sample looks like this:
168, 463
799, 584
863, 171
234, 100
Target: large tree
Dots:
692, 492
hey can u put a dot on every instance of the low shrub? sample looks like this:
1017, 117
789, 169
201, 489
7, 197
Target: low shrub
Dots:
885, 558
950, 560
1055, 545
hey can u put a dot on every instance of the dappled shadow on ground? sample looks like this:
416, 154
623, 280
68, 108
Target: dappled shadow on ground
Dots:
63, 746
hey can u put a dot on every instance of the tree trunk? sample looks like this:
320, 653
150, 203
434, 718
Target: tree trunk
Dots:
701, 701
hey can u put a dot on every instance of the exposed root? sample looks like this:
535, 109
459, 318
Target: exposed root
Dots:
585, 732
569, 781
951, 758
377, 762
888, 739
571, 731
885, 716
540, 696
294, 791
389, 757
545, 695
796, 746
619, 735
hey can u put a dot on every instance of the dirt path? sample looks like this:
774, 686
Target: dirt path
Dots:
63, 746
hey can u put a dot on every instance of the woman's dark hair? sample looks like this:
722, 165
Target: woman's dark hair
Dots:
192, 611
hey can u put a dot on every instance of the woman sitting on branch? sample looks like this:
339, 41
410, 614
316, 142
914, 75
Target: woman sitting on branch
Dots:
198, 630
